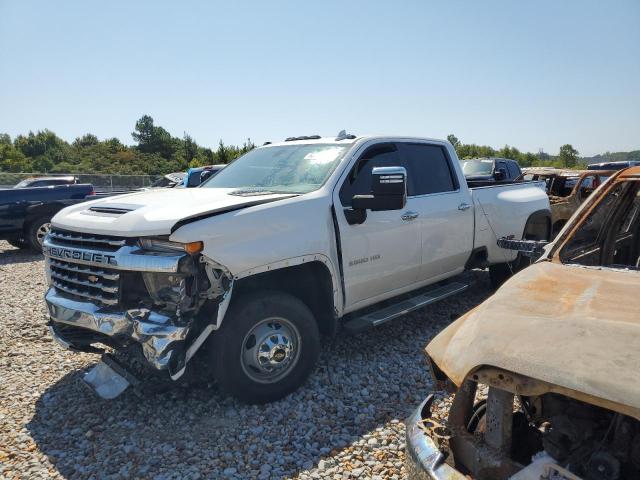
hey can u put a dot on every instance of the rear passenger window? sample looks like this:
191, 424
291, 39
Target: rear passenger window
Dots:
429, 170
514, 170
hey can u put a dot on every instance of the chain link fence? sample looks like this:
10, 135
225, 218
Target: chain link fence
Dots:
100, 182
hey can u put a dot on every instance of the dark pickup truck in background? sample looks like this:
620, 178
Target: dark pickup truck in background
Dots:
25, 213
482, 172
46, 181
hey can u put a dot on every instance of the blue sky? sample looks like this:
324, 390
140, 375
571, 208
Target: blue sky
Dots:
530, 74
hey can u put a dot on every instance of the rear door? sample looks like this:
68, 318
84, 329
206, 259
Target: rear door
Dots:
444, 208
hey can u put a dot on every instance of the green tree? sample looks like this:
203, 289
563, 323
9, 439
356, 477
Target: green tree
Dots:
87, 140
528, 160
568, 156
190, 147
222, 154
509, 152
453, 140
153, 139
114, 145
12, 159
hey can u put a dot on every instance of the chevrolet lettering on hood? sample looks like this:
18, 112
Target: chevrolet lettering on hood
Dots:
85, 256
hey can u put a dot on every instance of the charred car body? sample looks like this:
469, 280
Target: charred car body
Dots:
567, 189
557, 346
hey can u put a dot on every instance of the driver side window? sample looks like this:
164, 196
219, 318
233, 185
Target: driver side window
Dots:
359, 180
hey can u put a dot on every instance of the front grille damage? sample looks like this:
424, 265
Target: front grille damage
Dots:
110, 291
86, 282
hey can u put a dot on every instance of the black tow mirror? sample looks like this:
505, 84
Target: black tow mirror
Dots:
388, 192
500, 175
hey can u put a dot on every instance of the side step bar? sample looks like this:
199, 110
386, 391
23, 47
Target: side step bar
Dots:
402, 307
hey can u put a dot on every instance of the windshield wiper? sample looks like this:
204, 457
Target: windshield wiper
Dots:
248, 192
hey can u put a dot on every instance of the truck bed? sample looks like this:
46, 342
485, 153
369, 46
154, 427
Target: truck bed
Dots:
499, 209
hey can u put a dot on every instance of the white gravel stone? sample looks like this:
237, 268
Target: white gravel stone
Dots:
347, 421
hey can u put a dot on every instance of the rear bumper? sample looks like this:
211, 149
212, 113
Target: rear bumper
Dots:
161, 338
424, 461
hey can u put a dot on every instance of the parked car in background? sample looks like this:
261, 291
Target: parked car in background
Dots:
170, 180
197, 175
26, 212
289, 241
46, 181
567, 189
484, 171
613, 165
557, 346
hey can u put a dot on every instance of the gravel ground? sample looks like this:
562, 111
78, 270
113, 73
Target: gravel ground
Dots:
345, 422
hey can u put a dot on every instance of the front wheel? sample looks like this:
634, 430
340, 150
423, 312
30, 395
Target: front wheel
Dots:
36, 231
18, 243
266, 348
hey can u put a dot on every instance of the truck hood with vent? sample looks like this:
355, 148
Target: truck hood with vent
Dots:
155, 212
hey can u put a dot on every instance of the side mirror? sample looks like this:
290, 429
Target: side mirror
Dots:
388, 192
500, 174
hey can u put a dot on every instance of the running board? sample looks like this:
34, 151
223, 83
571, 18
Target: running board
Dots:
402, 307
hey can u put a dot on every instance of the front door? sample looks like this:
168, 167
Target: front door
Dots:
384, 253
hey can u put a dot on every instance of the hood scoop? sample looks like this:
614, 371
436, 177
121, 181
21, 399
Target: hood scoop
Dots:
111, 210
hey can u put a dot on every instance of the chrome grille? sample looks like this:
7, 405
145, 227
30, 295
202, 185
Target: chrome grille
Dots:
85, 282
86, 240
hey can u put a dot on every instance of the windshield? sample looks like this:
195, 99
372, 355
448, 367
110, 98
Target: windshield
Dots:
281, 169
23, 184
477, 167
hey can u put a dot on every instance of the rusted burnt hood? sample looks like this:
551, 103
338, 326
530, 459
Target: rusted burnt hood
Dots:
570, 326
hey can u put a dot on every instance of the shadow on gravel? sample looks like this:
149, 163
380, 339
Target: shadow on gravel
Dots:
361, 383
9, 255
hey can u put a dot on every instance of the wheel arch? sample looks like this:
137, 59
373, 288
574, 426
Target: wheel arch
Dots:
45, 210
538, 225
309, 279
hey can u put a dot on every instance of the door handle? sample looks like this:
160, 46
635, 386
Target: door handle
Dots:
408, 216
464, 206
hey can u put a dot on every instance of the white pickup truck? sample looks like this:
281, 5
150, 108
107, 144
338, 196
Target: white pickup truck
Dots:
290, 241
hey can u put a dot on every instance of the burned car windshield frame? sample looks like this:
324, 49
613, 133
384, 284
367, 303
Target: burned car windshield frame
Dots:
281, 169
607, 233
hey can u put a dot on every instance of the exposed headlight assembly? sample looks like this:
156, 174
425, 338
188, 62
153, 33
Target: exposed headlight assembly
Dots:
172, 289
168, 288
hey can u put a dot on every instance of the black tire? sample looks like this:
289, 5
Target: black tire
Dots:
500, 273
228, 348
34, 231
18, 243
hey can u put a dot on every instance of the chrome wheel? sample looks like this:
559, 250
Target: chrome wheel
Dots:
270, 350
42, 232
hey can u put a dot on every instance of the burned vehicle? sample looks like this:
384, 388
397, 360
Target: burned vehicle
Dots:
567, 189
556, 350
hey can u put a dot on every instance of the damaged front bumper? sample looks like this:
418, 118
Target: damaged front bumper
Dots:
424, 460
160, 336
